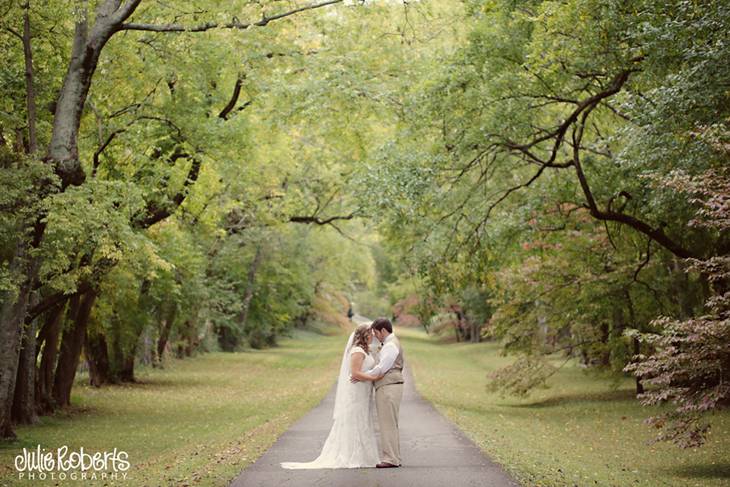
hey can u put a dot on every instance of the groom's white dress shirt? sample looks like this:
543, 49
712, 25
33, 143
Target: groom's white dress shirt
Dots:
388, 354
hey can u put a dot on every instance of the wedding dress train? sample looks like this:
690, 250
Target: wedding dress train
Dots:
351, 442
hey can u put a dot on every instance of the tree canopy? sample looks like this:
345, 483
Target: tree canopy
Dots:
181, 177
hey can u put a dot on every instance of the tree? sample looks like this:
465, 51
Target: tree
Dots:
90, 38
690, 359
532, 162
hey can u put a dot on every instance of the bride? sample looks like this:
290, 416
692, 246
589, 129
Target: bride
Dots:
351, 442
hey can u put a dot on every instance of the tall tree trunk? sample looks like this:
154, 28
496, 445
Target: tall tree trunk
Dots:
29, 88
229, 340
126, 371
24, 403
129, 353
250, 287
460, 318
149, 347
165, 332
85, 52
636, 345
71, 344
97, 357
49, 336
12, 318
476, 335
191, 337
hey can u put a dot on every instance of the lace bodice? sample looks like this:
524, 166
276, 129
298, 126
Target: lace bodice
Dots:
369, 361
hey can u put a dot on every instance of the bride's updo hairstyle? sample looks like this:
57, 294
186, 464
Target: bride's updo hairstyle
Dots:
362, 338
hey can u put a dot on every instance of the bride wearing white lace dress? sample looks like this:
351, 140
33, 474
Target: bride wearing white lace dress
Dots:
351, 442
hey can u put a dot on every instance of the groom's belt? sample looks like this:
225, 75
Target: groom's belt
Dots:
397, 369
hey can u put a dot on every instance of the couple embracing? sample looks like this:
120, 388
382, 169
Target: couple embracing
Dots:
365, 380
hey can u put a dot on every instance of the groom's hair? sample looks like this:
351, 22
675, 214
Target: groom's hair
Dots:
382, 323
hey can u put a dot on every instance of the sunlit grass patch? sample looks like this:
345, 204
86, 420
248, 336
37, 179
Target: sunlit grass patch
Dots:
198, 421
581, 430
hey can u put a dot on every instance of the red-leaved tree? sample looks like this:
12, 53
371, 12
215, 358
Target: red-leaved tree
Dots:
690, 367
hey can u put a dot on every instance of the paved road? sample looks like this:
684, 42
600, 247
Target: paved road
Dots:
435, 453
360, 320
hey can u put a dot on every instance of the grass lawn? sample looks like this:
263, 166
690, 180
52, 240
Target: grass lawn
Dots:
198, 421
582, 430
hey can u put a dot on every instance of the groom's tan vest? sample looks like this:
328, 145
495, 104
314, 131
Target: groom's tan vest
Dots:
395, 374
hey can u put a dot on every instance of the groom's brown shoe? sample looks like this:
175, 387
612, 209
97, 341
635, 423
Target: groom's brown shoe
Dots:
386, 465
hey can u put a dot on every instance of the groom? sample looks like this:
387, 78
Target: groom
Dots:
388, 391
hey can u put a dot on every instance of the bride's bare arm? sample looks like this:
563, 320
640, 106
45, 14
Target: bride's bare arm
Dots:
356, 360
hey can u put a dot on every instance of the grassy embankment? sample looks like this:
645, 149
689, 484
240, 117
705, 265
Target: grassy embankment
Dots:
198, 421
582, 430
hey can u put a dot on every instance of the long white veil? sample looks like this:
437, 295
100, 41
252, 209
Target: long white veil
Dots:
343, 380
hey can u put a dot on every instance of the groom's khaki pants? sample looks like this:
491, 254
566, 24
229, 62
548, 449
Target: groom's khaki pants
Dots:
387, 403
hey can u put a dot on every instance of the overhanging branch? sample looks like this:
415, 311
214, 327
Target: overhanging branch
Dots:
233, 24
234, 98
655, 233
320, 221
